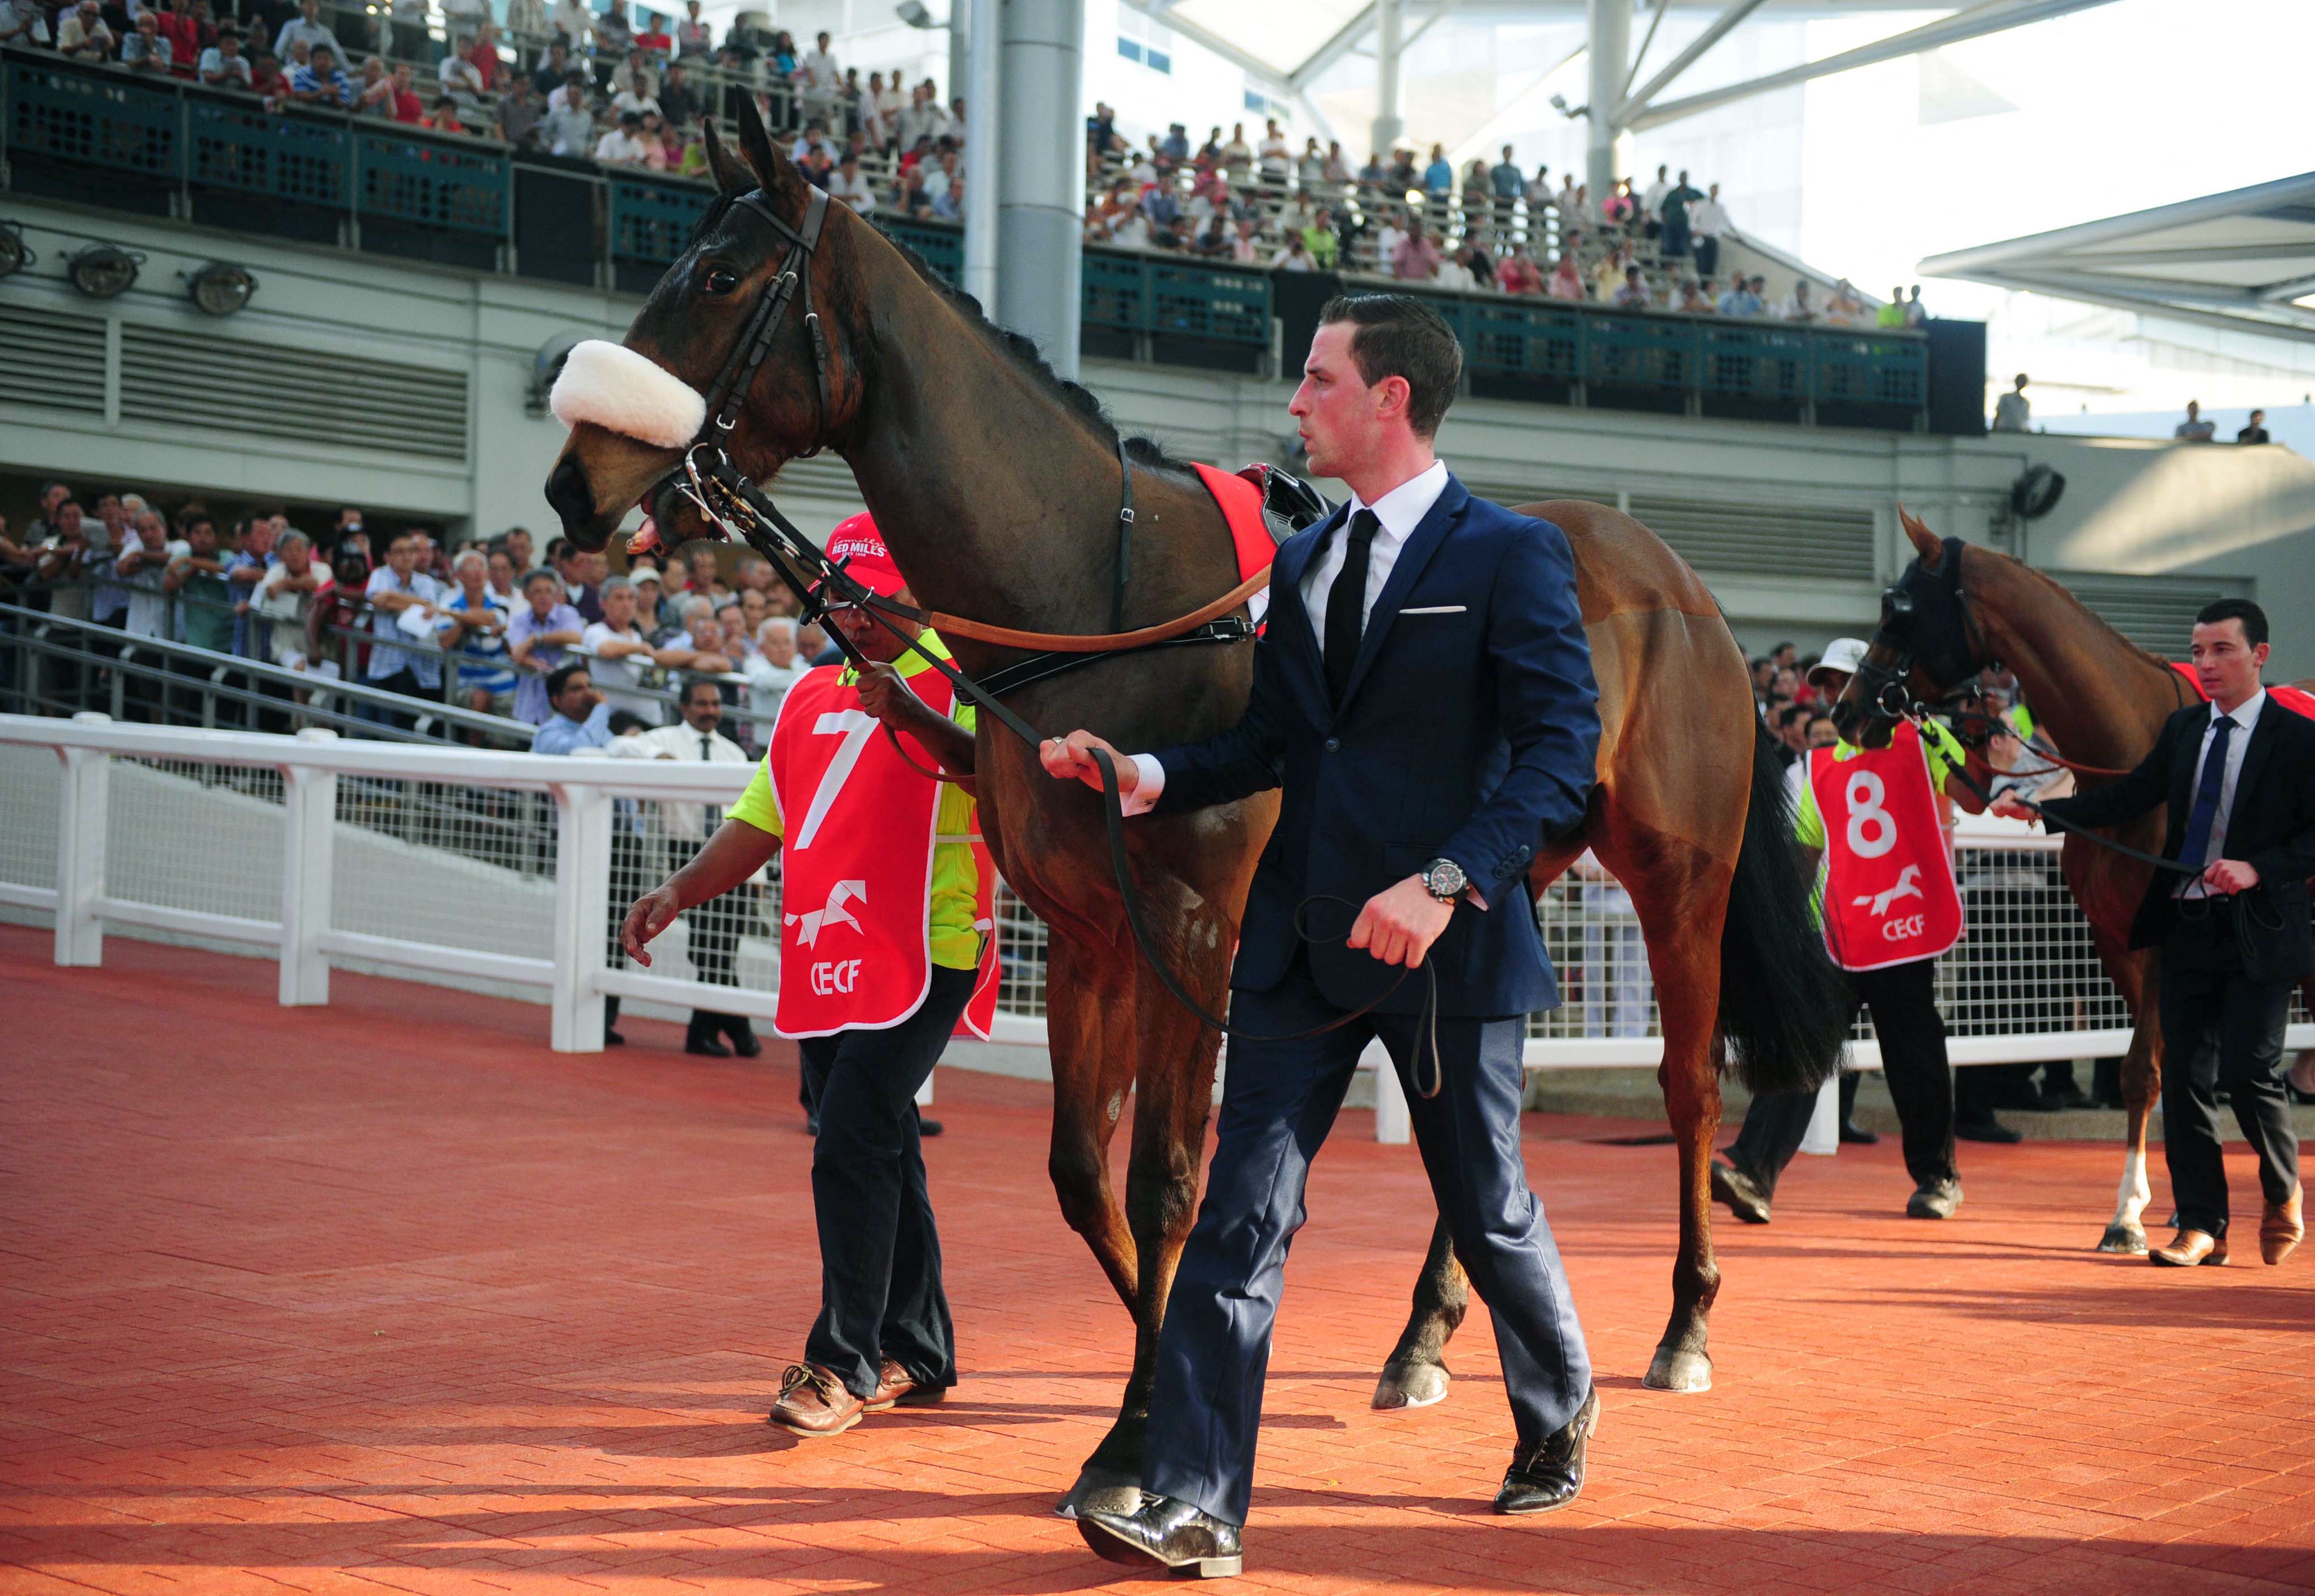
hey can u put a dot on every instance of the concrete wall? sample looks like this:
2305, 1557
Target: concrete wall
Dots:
2131, 506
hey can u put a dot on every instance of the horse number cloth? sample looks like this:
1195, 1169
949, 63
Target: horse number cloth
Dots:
2299, 701
1889, 893
856, 951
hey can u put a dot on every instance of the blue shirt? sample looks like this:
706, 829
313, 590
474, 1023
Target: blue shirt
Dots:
563, 735
1741, 302
242, 593
493, 672
1439, 177
305, 81
530, 688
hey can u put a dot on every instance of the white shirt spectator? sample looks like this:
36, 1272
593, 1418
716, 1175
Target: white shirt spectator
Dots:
628, 99
1131, 230
769, 683
298, 28
1708, 218
1294, 257
218, 68
1387, 243
1652, 199
285, 609
854, 189
626, 671
1454, 274
2013, 413
618, 148
1277, 157
818, 77
567, 130
386, 662
462, 80
576, 19
149, 607
21, 23
688, 821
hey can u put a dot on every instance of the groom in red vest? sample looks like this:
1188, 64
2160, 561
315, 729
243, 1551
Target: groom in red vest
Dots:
884, 938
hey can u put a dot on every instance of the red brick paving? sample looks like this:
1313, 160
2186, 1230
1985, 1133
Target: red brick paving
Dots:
388, 1298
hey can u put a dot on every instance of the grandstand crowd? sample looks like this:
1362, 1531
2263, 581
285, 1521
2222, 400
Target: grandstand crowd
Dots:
482, 625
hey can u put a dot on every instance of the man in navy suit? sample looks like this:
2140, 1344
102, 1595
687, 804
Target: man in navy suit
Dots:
1424, 696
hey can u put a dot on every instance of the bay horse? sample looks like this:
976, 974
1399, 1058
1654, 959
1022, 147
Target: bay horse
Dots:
1959, 608
998, 486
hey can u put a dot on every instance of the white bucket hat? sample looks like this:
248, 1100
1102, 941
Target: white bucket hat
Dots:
1843, 654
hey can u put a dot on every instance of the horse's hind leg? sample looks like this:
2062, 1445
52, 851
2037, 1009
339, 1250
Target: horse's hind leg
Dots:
1092, 1073
1416, 1376
1683, 936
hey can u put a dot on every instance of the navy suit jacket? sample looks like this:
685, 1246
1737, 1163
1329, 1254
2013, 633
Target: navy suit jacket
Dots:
1468, 731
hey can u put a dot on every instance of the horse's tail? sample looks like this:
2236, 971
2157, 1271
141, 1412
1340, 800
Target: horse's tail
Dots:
1784, 1008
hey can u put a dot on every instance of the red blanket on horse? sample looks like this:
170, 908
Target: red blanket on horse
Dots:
2299, 701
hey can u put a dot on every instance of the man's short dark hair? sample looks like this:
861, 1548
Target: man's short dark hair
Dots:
623, 721
2253, 618
690, 683
558, 680
1398, 335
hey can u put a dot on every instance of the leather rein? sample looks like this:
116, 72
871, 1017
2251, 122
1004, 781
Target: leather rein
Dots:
736, 506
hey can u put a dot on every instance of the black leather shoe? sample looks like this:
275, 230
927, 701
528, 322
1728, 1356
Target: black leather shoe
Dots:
1935, 1202
707, 1044
742, 1036
926, 1127
612, 1038
1738, 1190
1554, 1476
2059, 1099
1987, 1129
1172, 1535
1857, 1135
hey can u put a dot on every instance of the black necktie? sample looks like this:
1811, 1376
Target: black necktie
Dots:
1346, 604
2202, 818
707, 752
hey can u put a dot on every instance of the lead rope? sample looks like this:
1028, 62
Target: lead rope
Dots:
812, 596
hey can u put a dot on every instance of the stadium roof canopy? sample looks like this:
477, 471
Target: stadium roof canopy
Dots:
2243, 260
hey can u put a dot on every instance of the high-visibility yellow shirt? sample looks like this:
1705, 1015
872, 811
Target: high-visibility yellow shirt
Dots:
956, 873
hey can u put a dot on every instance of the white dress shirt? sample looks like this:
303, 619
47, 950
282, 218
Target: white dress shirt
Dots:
690, 822
1397, 514
2245, 716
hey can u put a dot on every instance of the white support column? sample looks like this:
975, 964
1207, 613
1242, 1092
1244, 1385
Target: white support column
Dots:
308, 876
1392, 1123
925, 1092
1390, 17
1041, 162
1607, 148
1824, 1133
83, 806
982, 152
582, 879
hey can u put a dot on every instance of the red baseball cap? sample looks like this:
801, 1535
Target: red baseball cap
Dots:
858, 547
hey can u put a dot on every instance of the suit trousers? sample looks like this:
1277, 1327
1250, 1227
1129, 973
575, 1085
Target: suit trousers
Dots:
2207, 1000
1902, 1000
1278, 1100
714, 933
879, 1258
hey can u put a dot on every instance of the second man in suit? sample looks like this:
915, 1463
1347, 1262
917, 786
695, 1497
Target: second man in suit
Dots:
2238, 776
1424, 697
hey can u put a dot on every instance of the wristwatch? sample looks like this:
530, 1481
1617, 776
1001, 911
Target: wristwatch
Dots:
1444, 880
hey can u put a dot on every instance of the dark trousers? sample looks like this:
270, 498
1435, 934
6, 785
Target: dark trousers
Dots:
404, 682
714, 932
2207, 1000
1708, 257
1279, 1101
1901, 999
880, 1262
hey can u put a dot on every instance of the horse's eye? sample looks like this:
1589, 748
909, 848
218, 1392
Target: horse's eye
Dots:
720, 281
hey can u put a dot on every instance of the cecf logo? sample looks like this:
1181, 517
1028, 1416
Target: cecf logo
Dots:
1906, 928
832, 976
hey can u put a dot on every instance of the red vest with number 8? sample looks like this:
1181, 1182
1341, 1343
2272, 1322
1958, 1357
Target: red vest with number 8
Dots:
1889, 894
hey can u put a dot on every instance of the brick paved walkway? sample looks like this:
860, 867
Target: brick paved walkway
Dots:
388, 1296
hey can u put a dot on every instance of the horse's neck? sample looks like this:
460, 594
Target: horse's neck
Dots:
998, 499
2102, 700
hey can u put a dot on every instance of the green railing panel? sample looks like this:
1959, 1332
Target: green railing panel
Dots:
1767, 363
1866, 368
1518, 339
238, 146
1115, 291
102, 120
1638, 351
942, 248
653, 222
432, 184
1204, 302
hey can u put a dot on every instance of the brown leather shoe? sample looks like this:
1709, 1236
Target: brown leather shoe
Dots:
2282, 1228
813, 1402
897, 1388
2188, 1248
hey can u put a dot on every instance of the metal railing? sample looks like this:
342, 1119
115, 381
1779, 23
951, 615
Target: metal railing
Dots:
458, 864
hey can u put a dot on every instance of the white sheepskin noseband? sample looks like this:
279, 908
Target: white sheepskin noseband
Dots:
611, 385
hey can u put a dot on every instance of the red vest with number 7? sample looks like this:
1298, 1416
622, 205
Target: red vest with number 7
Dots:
856, 869
1889, 895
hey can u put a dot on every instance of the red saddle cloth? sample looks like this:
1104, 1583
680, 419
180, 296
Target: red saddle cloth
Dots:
1241, 507
2299, 701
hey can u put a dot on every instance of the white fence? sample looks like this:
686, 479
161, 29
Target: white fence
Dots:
459, 865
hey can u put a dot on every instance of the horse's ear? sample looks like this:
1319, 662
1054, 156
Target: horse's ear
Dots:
730, 177
1926, 542
772, 170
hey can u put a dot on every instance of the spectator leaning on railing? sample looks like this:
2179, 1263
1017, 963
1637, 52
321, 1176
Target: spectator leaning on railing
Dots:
620, 652
473, 625
541, 630
394, 587
281, 602
141, 568
206, 617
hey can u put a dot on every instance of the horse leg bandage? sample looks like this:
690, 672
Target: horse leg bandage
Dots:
611, 385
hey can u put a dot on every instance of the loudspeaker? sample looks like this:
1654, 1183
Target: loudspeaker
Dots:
1957, 377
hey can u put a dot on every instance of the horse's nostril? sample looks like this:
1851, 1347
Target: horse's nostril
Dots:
568, 493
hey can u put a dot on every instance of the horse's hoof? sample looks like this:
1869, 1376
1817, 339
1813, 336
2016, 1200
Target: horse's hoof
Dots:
1411, 1385
2123, 1239
1677, 1368
1101, 1490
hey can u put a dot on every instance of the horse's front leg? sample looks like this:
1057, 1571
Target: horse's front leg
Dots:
1416, 1375
2138, 976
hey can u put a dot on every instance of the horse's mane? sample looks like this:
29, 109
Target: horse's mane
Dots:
1023, 353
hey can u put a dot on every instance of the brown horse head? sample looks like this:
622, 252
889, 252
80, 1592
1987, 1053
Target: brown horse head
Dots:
1926, 648
634, 408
